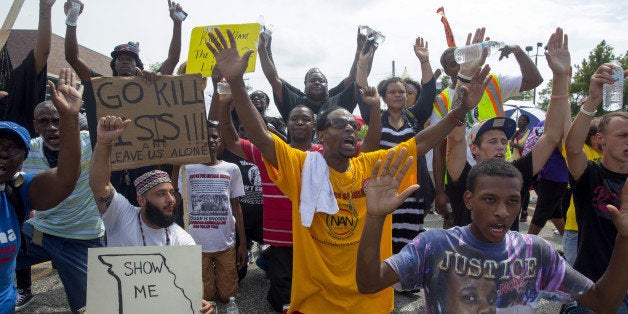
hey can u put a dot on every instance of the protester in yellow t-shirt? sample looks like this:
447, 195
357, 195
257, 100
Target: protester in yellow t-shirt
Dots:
325, 252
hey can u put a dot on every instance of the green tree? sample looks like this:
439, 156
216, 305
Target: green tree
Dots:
579, 88
154, 66
445, 82
527, 95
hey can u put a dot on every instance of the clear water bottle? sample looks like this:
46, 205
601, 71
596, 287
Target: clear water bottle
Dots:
223, 88
474, 52
613, 94
73, 13
232, 307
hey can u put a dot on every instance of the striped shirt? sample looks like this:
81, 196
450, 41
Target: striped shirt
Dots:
76, 217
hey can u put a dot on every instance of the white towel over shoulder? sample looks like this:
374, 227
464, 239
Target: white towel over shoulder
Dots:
317, 195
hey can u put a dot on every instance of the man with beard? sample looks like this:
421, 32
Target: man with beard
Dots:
127, 225
152, 224
64, 233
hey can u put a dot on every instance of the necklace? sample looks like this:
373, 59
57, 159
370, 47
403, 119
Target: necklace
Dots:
139, 221
353, 173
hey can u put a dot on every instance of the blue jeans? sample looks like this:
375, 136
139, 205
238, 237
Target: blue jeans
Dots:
570, 246
69, 257
623, 308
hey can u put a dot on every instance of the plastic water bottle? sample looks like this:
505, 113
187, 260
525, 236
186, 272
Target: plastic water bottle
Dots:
223, 88
232, 307
474, 52
73, 14
613, 94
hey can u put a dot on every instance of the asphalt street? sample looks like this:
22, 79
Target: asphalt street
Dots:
50, 296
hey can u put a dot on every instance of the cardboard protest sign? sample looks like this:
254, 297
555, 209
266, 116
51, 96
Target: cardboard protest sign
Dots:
144, 279
201, 60
168, 122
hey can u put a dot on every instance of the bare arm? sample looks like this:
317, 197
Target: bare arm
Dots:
381, 200
574, 142
220, 110
72, 49
438, 167
269, 68
241, 251
607, 293
422, 53
44, 34
174, 52
559, 61
109, 129
361, 39
50, 187
530, 75
374, 133
231, 65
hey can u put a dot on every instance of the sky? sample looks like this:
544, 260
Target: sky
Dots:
323, 33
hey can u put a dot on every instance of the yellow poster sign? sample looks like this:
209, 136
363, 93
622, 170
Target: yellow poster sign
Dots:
201, 60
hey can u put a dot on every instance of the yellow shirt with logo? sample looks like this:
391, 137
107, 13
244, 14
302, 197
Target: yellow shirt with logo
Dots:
325, 254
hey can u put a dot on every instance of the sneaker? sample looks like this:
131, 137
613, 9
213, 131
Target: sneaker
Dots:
24, 297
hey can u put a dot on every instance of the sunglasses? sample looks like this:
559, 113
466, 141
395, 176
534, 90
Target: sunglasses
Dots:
341, 123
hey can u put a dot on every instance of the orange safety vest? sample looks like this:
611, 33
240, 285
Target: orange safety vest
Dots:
491, 105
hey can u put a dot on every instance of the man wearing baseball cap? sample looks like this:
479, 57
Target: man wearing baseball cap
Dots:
489, 138
125, 62
19, 193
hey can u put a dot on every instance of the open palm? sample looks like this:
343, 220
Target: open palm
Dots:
381, 193
228, 60
421, 49
67, 96
557, 54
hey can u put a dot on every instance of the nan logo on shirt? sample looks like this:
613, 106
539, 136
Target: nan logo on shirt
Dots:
343, 223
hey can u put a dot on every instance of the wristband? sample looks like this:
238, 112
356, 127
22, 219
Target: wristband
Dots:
464, 78
588, 113
426, 61
455, 119
559, 96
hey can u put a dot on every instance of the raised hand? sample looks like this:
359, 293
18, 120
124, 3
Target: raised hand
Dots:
68, 3
603, 75
620, 216
66, 97
381, 192
420, 50
557, 53
472, 93
264, 41
174, 8
228, 60
110, 128
370, 96
507, 50
361, 39
468, 68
